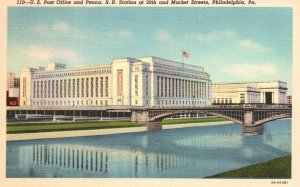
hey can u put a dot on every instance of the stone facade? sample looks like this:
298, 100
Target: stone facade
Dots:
269, 92
148, 81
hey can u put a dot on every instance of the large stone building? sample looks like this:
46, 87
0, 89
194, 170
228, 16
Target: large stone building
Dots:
269, 92
148, 81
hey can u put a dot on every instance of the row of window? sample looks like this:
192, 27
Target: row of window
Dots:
77, 73
136, 85
174, 102
71, 103
171, 87
76, 88
176, 68
165, 71
238, 85
252, 98
222, 100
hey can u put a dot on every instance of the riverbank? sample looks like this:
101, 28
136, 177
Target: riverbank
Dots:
279, 168
103, 131
50, 126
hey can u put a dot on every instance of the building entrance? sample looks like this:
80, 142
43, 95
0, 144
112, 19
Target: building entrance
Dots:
268, 97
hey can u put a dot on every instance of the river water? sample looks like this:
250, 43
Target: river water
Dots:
194, 152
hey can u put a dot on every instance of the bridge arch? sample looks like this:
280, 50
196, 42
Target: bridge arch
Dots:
272, 118
169, 114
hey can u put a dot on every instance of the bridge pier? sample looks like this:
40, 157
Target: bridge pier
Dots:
142, 116
249, 129
253, 130
154, 125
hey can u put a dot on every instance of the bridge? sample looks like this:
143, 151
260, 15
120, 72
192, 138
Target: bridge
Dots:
250, 116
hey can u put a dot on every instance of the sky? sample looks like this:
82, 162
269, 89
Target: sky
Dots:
232, 44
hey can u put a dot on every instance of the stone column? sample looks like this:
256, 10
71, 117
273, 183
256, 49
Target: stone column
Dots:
139, 116
248, 127
154, 125
142, 116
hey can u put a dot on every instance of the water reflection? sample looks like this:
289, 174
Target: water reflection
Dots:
219, 140
63, 157
80, 160
189, 153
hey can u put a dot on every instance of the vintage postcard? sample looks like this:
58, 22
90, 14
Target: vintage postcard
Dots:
149, 93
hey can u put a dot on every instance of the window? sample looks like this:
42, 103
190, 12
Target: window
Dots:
101, 87
45, 89
176, 88
38, 89
169, 87
34, 89
77, 90
106, 87
69, 87
97, 86
65, 88
242, 98
179, 87
146, 85
166, 87
60, 88
157, 88
136, 85
92, 87
82, 87
56, 90
161, 87
87, 87
186, 88
73, 88
49, 90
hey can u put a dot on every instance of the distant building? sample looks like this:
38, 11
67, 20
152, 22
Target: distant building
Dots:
289, 99
269, 92
148, 81
16, 82
10, 80
12, 90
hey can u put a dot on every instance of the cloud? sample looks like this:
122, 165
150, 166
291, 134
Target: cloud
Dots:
125, 33
44, 53
212, 36
120, 34
60, 29
251, 70
249, 44
161, 35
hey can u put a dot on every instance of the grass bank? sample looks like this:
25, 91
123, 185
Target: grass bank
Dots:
68, 126
278, 168
50, 127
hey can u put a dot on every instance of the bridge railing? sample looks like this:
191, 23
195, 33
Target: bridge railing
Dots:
259, 105
129, 107
112, 107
